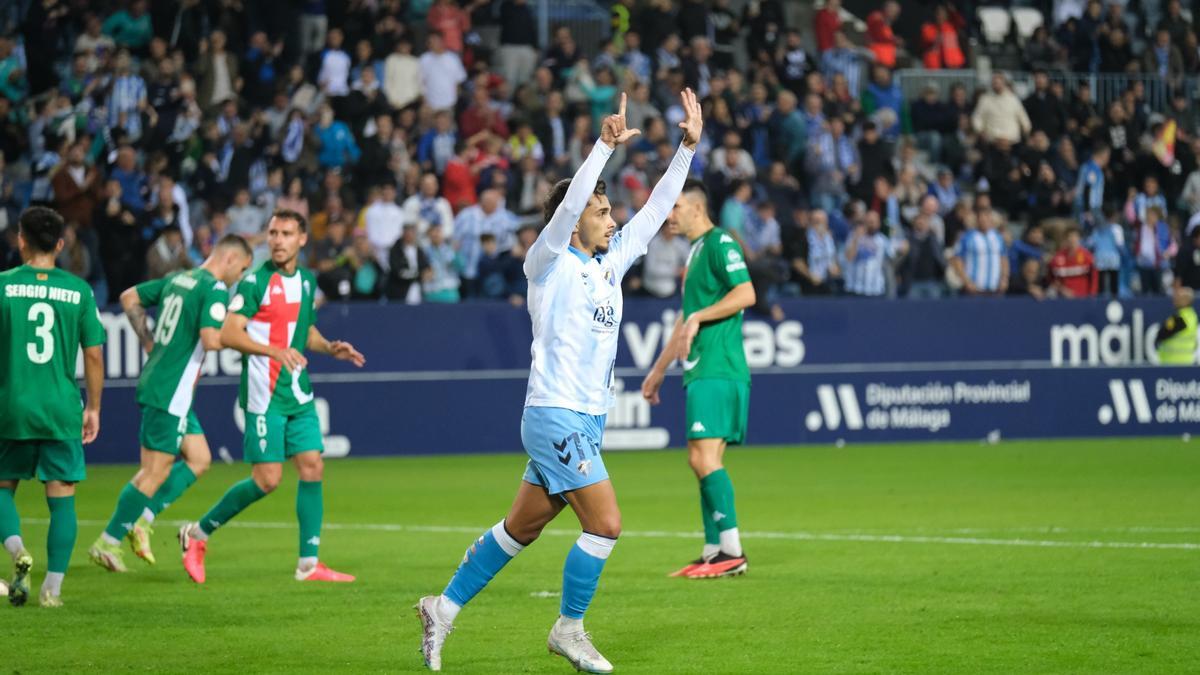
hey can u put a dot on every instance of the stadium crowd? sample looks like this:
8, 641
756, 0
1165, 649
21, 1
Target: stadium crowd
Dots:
420, 136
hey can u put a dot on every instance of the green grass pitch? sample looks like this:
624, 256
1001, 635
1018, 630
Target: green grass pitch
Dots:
950, 558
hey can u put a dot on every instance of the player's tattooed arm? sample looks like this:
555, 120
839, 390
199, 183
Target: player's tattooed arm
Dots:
132, 305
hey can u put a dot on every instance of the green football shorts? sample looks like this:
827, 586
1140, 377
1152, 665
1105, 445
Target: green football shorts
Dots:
272, 437
718, 409
163, 432
47, 459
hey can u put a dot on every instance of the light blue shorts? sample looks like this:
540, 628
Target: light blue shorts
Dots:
563, 447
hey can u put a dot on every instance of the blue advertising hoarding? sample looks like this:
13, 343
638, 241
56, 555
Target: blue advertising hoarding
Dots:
451, 379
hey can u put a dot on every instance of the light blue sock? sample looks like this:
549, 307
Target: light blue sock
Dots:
581, 573
486, 557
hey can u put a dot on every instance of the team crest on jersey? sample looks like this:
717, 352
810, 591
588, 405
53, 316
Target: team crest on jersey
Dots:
237, 303
306, 288
217, 312
734, 256
276, 290
610, 277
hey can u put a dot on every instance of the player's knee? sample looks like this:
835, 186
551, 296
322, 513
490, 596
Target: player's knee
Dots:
199, 465
311, 468
607, 526
524, 534
267, 481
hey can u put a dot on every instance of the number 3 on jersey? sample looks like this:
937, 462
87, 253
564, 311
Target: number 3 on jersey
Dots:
43, 350
168, 319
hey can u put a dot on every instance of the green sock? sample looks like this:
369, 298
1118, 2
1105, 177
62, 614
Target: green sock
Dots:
130, 505
61, 539
310, 511
718, 490
10, 522
236, 499
181, 478
712, 535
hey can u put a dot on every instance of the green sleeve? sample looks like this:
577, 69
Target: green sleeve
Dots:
727, 262
245, 301
150, 292
91, 331
212, 314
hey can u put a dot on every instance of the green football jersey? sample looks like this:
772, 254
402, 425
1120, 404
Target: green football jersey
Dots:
280, 310
715, 265
46, 315
187, 302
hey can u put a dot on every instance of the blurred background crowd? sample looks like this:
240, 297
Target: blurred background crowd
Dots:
922, 151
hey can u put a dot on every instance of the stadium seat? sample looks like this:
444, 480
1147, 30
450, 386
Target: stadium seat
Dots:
996, 23
1027, 20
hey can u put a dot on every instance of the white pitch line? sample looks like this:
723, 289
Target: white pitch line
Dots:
657, 534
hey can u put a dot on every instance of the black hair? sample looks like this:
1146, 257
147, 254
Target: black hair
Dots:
692, 186
235, 241
559, 191
42, 228
288, 214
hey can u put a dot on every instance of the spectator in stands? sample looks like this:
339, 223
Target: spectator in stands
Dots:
881, 39
884, 101
1044, 109
663, 266
1148, 198
832, 163
818, 270
923, 268
999, 116
491, 218
1028, 281
76, 188
427, 208
980, 258
1107, 244
1089, 191
933, 121
383, 222
1116, 52
763, 249
1187, 262
338, 147
402, 76
1163, 58
517, 56
827, 22
445, 267
167, 254
1153, 246
331, 257
216, 72
408, 268
481, 115
441, 73
247, 219
939, 39
868, 254
1073, 271
1041, 50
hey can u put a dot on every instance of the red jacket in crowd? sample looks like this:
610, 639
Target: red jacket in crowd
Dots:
881, 40
1074, 271
825, 24
941, 45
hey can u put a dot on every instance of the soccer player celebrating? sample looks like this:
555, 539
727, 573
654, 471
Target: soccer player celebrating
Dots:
708, 337
574, 269
271, 322
191, 311
46, 315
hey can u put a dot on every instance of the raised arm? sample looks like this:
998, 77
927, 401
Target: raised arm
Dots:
638, 232
555, 237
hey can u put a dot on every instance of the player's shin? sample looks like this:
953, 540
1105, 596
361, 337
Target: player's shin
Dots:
130, 505
60, 541
310, 512
10, 523
235, 500
718, 489
581, 573
712, 535
482, 561
178, 481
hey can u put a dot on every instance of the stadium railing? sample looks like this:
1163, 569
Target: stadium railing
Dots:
1105, 87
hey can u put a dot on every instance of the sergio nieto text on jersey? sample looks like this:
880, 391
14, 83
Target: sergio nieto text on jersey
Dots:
45, 316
